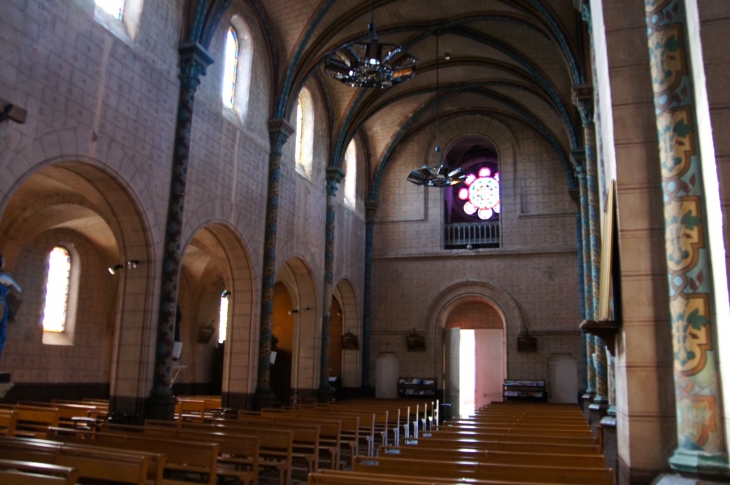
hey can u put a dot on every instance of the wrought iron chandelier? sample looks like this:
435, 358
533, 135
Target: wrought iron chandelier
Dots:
367, 63
440, 175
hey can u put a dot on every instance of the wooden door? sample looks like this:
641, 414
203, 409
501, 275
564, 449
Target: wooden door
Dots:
489, 364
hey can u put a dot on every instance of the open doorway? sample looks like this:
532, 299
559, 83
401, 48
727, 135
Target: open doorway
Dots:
475, 356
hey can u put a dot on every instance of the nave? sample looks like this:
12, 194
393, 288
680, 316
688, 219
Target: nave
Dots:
375, 441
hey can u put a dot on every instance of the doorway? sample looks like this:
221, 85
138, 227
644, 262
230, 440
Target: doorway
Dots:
475, 357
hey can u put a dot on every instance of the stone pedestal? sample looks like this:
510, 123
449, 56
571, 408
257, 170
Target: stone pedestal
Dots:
587, 399
597, 412
610, 443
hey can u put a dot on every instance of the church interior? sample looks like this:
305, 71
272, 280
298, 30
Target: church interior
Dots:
282, 203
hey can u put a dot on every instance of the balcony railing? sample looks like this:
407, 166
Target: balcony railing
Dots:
475, 234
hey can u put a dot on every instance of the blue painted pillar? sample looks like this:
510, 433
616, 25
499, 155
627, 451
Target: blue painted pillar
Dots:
334, 177
194, 60
370, 208
279, 132
579, 160
701, 446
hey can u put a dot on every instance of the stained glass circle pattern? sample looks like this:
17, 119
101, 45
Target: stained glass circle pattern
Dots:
482, 194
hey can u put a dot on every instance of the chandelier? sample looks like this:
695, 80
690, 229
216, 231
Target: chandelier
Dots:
367, 63
440, 175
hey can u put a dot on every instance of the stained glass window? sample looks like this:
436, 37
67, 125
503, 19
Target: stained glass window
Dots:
223, 318
57, 287
231, 68
481, 194
305, 132
115, 8
351, 175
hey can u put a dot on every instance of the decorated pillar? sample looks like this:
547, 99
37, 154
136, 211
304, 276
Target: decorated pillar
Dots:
701, 446
194, 60
575, 196
370, 208
601, 366
585, 246
279, 132
334, 177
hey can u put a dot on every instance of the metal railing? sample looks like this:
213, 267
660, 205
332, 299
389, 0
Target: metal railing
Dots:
471, 233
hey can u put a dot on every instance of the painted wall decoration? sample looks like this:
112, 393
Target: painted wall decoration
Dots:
701, 443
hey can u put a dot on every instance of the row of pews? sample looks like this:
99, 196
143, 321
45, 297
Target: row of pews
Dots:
501, 444
385, 442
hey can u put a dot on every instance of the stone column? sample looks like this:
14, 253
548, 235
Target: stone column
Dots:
279, 132
370, 208
334, 177
700, 436
579, 160
583, 99
194, 60
575, 196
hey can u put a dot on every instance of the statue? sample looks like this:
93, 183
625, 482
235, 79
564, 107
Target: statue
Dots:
6, 282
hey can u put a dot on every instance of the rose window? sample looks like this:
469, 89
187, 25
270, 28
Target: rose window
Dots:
481, 194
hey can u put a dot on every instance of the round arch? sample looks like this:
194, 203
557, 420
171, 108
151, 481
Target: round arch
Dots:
216, 259
85, 203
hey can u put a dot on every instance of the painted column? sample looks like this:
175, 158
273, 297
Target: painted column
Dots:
279, 132
334, 177
583, 99
575, 196
589, 340
194, 60
370, 208
701, 444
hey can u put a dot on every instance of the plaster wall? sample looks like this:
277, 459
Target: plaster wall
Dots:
535, 267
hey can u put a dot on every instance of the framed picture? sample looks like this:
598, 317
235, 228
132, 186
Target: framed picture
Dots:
350, 342
526, 343
416, 343
205, 333
604, 302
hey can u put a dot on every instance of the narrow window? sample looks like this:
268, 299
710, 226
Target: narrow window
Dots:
115, 8
57, 289
351, 175
223, 317
305, 133
231, 68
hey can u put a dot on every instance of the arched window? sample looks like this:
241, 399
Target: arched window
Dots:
351, 175
231, 68
237, 62
115, 8
57, 290
223, 317
473, 207
305, 133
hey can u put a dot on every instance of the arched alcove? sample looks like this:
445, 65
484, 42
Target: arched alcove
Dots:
215, 266
350, 323
90, 211
296, 279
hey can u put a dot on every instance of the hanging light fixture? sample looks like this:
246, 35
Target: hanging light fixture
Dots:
440, 175
367, 63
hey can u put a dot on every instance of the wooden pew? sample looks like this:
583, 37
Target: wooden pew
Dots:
329, 477
275, 445
497, 445
33, 421
93, 463
483, 471
515, 436
492, 456
8, 418
523, 430
14, 472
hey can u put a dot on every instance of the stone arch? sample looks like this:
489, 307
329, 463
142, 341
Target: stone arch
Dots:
344, 292
467, 291
298, 278
77, 200
216, 255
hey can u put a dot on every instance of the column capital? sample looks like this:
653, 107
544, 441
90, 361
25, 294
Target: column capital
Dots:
370, 207
579, 159
194, 60
279, 132
583, 100
334, 177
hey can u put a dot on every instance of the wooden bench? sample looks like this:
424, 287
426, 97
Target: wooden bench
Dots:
15, 472
8, 418
91, 462
523, 430
275, 445
492, 456
329, 477
33, 421
497, 445
483, 471
517, 436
